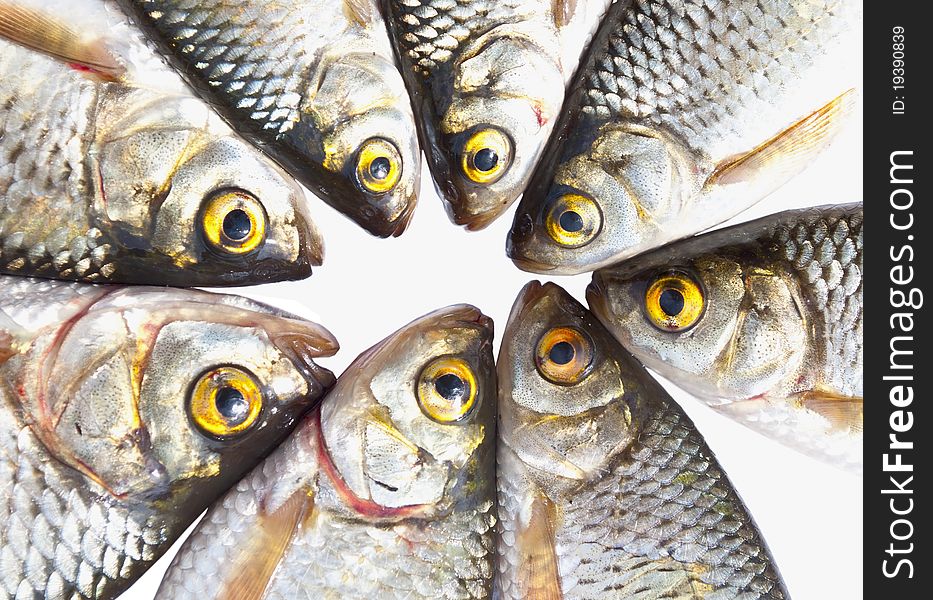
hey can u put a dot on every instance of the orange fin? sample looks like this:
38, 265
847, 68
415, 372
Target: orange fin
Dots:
257, 561
843, 412
43, 33
361, 11
789, 151
538, 576
6, 346
562, 11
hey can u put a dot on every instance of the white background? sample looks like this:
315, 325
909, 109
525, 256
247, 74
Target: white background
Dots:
810, 514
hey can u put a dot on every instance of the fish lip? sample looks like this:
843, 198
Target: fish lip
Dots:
477, 221
532, 266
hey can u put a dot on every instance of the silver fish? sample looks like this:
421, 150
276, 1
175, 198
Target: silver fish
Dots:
762, 320
606, 488
684, 113
107, 176
124, 411
386, 491
487, 81
313, 83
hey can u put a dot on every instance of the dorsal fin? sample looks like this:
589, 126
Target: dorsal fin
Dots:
43, 33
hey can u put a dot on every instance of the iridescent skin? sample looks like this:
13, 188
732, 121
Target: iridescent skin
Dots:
779, 345
101, 465
370, 498
107, 181
606, 488
307, 82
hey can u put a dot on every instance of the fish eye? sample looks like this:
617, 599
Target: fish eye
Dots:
378, 166
674, 302
446, 390
573, 220
234, 222
564, 355
225, 401
486, 155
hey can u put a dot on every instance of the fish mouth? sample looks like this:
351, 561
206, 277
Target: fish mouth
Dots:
596, 295
477, 221
302, 347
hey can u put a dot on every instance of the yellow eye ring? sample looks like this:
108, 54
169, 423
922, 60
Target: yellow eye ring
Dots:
486, 156
225, 401
378, 166
447, 390
234, 222
564, 355
573, 221
674, 302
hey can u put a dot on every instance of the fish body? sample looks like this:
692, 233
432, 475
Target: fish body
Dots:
124, 411
770, 325
386, 491
132, 180
487, 81
606, 488
313, 84
683, 114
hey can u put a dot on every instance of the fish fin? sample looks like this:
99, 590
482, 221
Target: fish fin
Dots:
562, 11
43, 33
789, 151
6, 346
538, 576
257, 561
361, 11
845, 413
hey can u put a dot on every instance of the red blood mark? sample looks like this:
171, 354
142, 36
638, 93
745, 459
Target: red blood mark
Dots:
362, 506
536, 108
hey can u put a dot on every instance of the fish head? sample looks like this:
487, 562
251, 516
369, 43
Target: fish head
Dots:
506, 93
605, 198
570, 399
191, 204
712, 322
410, 426
168, 397
368, 142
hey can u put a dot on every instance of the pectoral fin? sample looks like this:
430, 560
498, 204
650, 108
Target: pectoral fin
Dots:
845, 413
43, 33
260, 555
361, 11
538, 576
789, 151
563, 11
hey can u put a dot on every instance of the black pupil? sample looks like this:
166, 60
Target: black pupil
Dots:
380, 168
561, 353
672, 302
237, 224
486, 159
231, 405
571, 221
450, 387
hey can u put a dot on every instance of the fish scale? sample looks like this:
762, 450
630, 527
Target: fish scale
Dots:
777, 343
684, 65
825, 250
606, 489
61, 540
42, 167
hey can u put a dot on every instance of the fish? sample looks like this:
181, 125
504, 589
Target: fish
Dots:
763, 321
111, 172
387, 490
124, 412
683, 114
313, 84
487, 83
606, 488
